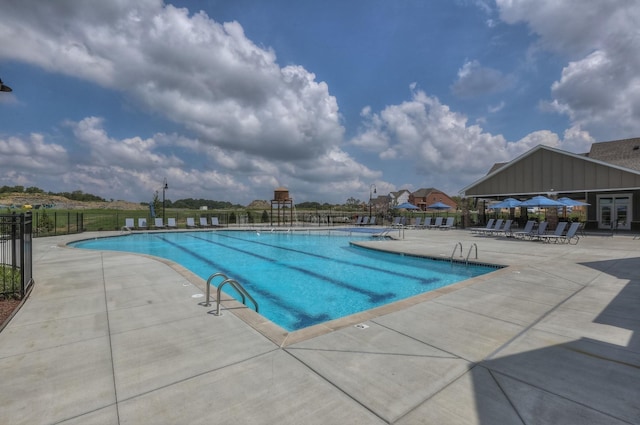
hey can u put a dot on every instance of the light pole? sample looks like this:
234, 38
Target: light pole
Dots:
372, 186
164, 189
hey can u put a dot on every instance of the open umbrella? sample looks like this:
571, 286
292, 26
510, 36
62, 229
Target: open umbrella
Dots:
568, 202
572, 202
407, 206
438, 206
507, 203
541, 202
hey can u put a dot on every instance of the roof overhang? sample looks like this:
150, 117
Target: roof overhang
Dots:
543, 169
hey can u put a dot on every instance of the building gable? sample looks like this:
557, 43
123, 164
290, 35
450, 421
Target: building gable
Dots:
544, 169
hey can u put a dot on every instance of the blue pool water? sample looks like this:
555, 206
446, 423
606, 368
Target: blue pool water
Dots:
298, 279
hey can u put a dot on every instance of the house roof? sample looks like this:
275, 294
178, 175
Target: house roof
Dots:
400, 192
625, 153
424, 192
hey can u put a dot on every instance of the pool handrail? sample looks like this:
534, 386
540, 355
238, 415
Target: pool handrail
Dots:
459, 244
469, 253
213, 276
243, 292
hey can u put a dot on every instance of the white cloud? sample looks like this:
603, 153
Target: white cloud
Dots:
133, 168
475, 80
32, 155
600, 93
599, 88
199, 73
441, 144
496, 108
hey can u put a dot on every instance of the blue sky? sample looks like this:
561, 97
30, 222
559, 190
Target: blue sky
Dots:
228, 100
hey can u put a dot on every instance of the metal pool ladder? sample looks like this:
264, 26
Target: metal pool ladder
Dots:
459, 244
235, 284
469, 253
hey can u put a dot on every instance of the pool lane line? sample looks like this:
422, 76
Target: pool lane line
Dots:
303, 319
421, 280
374, 297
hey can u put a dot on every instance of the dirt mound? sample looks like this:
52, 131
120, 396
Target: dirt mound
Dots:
37, 200
259, 205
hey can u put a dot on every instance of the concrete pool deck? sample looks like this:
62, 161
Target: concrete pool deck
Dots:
117, 338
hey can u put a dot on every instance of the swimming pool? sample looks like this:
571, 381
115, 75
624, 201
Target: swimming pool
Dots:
299, 279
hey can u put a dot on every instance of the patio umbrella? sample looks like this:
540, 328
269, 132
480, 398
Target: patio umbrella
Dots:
438, 206
407, 206
507, 203
572, 202
568, 202
541, 202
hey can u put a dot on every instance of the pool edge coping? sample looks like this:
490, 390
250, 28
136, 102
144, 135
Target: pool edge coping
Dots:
281, 336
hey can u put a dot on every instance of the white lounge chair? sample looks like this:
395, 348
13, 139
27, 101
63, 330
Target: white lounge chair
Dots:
214, 222
396, 222
372, 222
359, 220
128, 224
142, 223
204, 222
171, 223
158, 223
190, 223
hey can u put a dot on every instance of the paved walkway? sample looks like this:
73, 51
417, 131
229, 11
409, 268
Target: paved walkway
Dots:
114, 338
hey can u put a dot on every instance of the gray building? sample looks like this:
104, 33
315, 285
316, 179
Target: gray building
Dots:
608, 178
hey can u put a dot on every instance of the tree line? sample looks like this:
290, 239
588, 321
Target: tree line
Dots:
76, 195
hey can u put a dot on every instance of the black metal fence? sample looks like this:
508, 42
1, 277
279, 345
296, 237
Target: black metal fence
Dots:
16, 257
52, 223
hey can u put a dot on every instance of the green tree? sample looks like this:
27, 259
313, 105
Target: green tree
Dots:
353, 203
44, 222
157, 205
33, 189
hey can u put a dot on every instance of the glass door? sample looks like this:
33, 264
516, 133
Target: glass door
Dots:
604, 213
614, 212
621, 211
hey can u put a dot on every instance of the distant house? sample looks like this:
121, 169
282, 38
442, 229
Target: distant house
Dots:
607, 177
422, 198
399, 197
381, 203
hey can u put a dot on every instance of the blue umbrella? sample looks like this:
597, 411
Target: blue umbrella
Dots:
568, 202
507, 203
438, 206
572, 202
407, 206
541, 202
